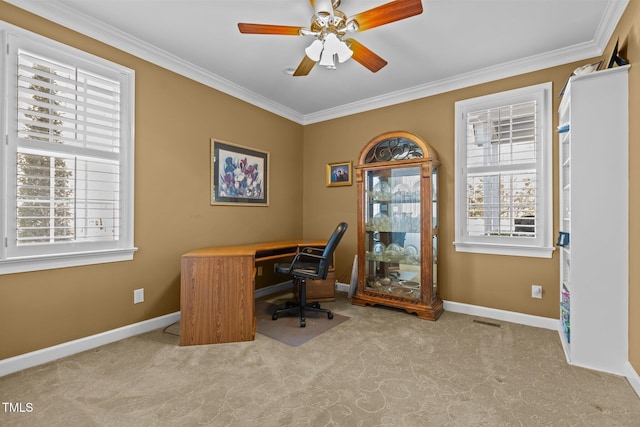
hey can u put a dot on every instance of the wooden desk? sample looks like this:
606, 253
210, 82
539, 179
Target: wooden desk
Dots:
217, 290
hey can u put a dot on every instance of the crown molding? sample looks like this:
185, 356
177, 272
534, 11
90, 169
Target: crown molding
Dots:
612, 14
70, 18
610, 19
496, 72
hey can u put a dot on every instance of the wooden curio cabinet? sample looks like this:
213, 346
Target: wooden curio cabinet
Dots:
397, 178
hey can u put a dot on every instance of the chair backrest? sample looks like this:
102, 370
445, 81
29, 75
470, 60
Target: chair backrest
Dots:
332, 243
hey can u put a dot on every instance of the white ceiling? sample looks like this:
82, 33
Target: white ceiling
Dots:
452, 44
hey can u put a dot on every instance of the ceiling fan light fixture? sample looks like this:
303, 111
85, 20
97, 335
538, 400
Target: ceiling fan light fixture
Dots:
335, 47
314, 50
327, 60
329, 27
343, 52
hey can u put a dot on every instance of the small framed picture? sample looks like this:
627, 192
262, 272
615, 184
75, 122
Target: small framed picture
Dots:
563, 239
339, 174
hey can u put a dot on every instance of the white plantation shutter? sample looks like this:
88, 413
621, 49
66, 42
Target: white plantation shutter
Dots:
501, 170
68, 153
503, 195
69, 162
70, 106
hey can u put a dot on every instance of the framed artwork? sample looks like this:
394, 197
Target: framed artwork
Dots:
339, 174
580, 71
615, 58
239, 175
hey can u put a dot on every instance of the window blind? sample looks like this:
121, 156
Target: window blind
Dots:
67, 159
501, 171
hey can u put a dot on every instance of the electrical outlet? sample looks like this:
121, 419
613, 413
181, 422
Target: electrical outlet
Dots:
536, 291
259, 270
138, 296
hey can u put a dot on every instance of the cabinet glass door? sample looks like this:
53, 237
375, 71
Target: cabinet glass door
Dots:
393, 227
434, 225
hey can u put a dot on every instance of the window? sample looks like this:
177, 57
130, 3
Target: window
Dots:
503, 173
68, 157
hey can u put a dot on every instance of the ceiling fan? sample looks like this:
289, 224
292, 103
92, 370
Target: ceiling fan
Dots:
330, 26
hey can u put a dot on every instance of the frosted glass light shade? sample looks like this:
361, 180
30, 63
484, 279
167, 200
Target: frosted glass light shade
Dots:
334, 46
314, 50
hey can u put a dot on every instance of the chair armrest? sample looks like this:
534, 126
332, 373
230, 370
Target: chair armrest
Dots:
309, 253
302, 258
306, 257
311, 249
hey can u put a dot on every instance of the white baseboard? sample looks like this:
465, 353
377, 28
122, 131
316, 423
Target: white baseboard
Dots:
342, 287
284, 286
633, 378
49, 354
491, 313
39, 357
268, 290
520, 318
507, 316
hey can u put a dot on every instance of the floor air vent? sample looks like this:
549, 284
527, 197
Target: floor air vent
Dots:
482, 322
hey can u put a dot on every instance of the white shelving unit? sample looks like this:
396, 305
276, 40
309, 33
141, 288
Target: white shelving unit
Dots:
594, 211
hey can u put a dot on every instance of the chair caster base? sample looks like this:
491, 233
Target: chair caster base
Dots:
295, 308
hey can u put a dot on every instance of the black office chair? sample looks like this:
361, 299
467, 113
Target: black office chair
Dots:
309, 264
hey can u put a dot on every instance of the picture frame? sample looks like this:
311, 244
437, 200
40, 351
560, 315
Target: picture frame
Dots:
339, 174
615, 58
580, 71
239, 175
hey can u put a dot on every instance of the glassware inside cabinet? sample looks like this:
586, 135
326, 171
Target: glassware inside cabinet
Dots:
435, 264
434, 197
392, 238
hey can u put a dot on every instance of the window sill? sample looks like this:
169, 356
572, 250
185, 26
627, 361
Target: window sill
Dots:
498, 249
47, 262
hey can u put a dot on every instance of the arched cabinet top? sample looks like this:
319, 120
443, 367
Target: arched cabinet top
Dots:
394, 146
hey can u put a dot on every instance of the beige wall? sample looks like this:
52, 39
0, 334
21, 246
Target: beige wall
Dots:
501, 282
628, 32
173, 214
175, 119
463, 277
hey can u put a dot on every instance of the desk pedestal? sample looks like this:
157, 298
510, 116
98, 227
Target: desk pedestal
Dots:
321, 290
217, 290
217, 300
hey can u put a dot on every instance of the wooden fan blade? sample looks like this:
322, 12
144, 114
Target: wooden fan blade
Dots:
281, 30
305, 67
365, 56
388, 12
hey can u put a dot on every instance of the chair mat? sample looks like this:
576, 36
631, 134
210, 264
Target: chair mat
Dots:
286, 328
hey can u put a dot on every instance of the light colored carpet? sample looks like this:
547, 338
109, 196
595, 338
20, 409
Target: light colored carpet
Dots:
381, 368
